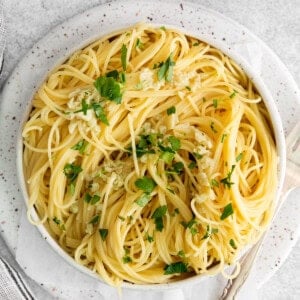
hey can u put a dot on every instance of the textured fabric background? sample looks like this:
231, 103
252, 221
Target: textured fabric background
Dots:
276, 22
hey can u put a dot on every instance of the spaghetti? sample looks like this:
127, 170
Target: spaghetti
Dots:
149, 157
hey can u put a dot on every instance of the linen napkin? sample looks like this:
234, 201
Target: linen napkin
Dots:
12, 285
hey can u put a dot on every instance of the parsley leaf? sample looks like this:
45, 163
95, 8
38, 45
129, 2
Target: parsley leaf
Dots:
228, 210
109, 88
80, 146
190, 225
233, 94
212, 127
158, 217
171, 110
239, 157
181, 253
126, 259
166, 69
209, 232
94, 220
197, 155
103, 233
143, 200
149, 238
214, 182
167, 157
175, 143
124, 57
84, 107
215, 103
192, 165
91, 199
227, 180
71, 171
174, 268
145, 184
177, 168
232, 244
55, 220
99, 112
224, 135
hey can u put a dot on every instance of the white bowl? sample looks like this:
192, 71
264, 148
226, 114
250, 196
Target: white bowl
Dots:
252, 74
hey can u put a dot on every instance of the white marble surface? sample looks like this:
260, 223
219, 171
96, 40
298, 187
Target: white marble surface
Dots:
275, 22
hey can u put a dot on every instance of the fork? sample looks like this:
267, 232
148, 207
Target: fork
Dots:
292, 180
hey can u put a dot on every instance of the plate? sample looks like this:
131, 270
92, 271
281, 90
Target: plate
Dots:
84, 28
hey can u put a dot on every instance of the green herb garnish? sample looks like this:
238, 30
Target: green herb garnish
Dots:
149, 238
215, 103
212, 126
171, 110
177, 168
99, 113
126, 259
188, 88
94, 220
214, 182
224, 135
227, 180
145, 184
80, 146
143, 200
103, 233
232, 244
55, 220
192, 165
109, 88
209, 232
228, 210
239, 157
181, 253
71, 171
190, 225
233, 94
124, 57
158, 217
175, 143
174, 268
166, 69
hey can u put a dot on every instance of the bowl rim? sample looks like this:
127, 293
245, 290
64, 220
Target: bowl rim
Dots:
231, 53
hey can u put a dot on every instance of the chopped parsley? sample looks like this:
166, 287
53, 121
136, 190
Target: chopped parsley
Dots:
167, 156
124, 57
212, 126
103, 233
181, 253
71, 171
165, 70
239, 157
80, 146
232, 244
190, 225
149, 238
139, 44
192, 165
158, 217
109, 88
121, 218
177, 168
171, 110
215, 103
175, 143
214, 182
162, 28
94, 220
196, 44
126, 259
145, 184
188, 88
99, 113
227, 180
84, 107
224, 135
143, 200
197, 155
174, 268
55, 220
209, 232
228, 210
233, 94
91, 199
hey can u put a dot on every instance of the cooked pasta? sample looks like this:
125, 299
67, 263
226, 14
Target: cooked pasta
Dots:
149, 156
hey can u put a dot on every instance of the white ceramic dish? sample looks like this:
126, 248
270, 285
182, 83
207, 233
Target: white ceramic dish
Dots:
65, 39
263, 90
